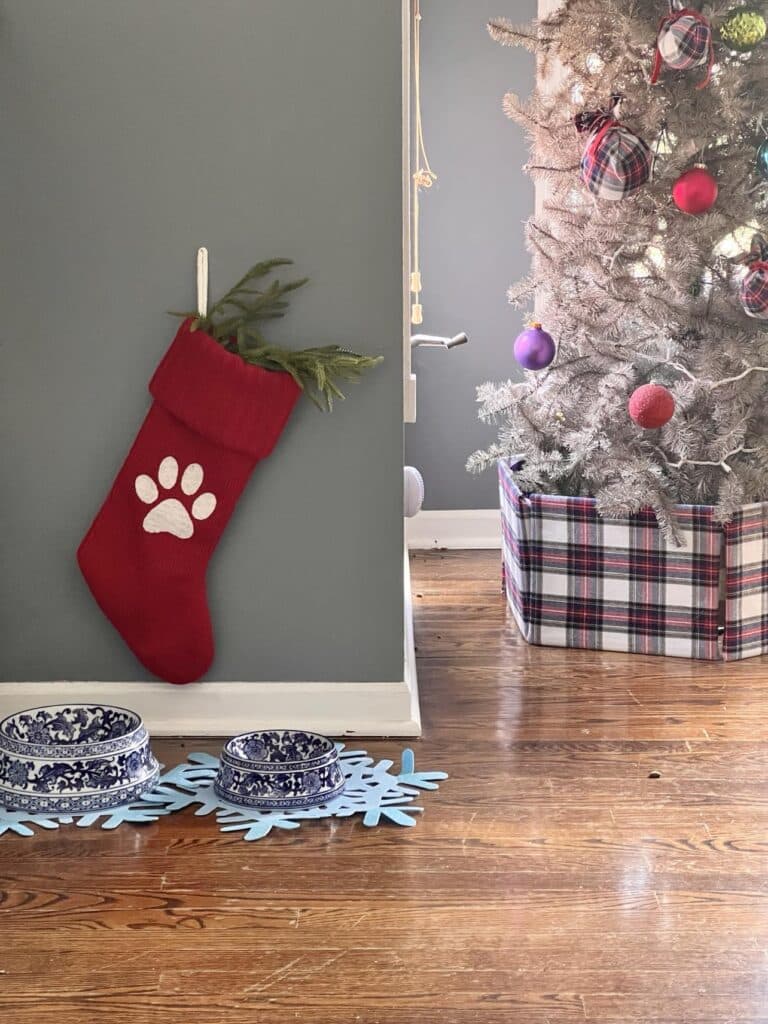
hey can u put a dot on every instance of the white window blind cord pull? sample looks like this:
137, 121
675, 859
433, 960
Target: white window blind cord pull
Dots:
422, 177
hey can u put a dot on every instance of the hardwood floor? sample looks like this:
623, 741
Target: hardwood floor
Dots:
553, 878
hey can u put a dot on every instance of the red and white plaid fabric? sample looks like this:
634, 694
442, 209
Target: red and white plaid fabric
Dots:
616, 162
754, 291
746, 586
574, 578
684, 41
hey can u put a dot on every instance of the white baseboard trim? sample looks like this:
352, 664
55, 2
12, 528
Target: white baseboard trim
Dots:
227, 708
454, 528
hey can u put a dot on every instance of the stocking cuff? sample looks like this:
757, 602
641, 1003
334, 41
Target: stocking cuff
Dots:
218, 395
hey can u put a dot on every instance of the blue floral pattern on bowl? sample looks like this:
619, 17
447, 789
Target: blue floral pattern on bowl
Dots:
279, 768
52, 731
75, 757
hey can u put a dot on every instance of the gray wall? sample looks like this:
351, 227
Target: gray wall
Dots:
472, 237
135, 132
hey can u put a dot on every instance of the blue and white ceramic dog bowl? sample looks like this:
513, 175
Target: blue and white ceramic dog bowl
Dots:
70, 758
279, 768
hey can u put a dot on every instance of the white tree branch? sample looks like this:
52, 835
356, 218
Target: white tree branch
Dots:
722, 464
713, 385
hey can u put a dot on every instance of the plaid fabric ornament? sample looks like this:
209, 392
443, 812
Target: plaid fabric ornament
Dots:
616, 162
684, 41
754, 288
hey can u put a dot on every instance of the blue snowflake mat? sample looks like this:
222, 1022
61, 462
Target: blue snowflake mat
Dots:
371, 790
24, 823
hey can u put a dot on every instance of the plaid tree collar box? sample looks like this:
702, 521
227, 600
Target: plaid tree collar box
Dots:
574, 578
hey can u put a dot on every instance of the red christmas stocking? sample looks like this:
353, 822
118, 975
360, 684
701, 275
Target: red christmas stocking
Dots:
146, 553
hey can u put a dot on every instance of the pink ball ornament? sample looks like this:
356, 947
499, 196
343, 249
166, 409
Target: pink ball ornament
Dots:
534, 348
695, 191
651, 406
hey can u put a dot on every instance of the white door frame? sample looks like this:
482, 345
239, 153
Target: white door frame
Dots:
409, 378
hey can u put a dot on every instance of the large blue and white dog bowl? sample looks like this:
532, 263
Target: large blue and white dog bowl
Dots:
279, 769
70, 758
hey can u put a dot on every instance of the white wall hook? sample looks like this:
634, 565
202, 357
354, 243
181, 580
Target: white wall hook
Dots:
202, 281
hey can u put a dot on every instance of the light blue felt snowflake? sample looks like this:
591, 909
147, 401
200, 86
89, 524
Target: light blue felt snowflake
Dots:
371, 790
187, 784
21, 822
24, 823
136, 813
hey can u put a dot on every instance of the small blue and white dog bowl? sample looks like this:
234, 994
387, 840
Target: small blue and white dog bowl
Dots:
72, 758
279, 769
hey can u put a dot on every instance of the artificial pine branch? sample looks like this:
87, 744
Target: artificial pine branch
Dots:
234, 322
503, 31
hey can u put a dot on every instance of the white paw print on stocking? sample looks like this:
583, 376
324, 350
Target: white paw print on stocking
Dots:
170, 515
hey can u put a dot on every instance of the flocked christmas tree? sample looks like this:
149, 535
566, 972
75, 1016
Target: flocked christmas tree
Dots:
657, 307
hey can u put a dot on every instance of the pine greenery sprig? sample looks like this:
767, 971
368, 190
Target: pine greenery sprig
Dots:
234, 321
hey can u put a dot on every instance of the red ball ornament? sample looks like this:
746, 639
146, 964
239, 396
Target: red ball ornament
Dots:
651, 406
695, 191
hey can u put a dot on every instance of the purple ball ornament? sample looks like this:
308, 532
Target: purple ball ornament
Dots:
534, 348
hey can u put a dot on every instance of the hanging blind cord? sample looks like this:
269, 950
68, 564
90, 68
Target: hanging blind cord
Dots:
423, 175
